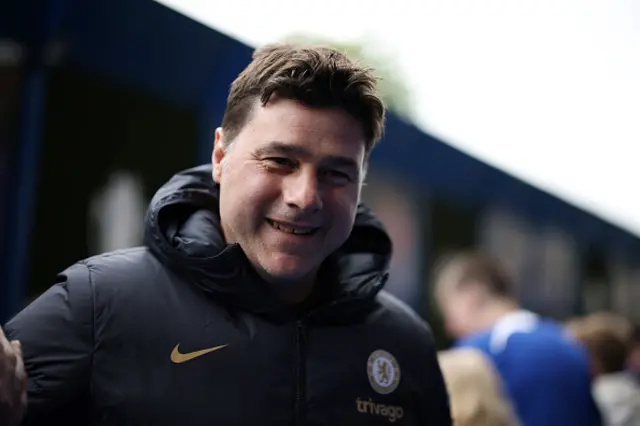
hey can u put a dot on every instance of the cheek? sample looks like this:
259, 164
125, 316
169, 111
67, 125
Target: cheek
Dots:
451, 322
251, 191
344, 201
245, 200
342, 211
458, 314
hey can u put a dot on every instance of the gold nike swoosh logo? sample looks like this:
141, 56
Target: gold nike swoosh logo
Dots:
179, 358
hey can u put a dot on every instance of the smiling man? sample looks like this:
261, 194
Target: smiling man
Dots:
257, 298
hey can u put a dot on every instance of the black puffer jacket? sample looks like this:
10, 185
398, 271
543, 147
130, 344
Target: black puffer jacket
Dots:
182, 332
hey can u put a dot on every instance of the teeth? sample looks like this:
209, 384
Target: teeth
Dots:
290, 230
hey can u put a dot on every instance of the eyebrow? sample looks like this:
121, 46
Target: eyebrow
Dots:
281, 148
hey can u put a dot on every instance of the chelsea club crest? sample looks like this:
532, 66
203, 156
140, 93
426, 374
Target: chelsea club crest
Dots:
383, 371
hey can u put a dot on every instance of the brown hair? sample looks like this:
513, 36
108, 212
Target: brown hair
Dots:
607, 337
314, 76
477, 268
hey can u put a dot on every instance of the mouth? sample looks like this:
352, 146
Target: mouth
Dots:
292, 229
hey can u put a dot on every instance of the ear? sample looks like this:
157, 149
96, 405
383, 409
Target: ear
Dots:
217, 155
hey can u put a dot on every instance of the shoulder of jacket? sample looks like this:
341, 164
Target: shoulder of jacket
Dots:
125, 281
402, 318
120, 259
121, 267
126, 254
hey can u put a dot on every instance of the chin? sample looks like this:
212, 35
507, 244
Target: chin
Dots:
283, 274
287, 269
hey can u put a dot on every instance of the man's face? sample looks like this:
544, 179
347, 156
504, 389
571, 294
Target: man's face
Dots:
457, 305
456, 316
289, 186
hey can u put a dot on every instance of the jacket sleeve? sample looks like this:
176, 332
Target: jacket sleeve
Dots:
56, 332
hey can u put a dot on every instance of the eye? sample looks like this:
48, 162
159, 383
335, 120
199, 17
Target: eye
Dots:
336, 176
280, 162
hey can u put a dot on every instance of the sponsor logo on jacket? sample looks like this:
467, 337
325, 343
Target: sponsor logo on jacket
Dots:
391, 412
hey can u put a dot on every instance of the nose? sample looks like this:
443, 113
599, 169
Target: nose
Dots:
301, 191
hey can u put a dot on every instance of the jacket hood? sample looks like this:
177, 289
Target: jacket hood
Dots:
182, 229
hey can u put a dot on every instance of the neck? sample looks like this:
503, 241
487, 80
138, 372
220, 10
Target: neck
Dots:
295, 293
292, 292
493, 311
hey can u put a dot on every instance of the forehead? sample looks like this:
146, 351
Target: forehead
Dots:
330, 131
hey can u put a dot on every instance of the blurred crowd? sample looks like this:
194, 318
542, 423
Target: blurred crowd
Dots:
511, 367
613, 344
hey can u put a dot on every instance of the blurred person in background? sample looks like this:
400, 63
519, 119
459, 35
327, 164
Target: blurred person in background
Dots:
545, 372
475, 390
257, 299
607, 337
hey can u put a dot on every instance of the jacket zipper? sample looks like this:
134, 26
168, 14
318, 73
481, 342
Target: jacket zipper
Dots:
301, 377
300, 403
